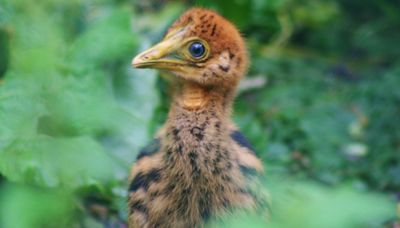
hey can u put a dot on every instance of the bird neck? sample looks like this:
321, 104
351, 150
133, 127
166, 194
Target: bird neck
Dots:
195, 97
200, 114
196, 141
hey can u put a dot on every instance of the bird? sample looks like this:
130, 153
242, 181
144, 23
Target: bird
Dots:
199, 165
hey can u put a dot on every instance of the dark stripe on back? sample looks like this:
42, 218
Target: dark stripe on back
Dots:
142, 180
205, 204
138, 206
150, 149
242, 141
248, 171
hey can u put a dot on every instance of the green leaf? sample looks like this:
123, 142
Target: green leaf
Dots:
304, 204
20, 108
57, 162
23, 206
310, 205
108, 38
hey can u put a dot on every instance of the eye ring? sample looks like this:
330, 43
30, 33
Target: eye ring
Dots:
197, 49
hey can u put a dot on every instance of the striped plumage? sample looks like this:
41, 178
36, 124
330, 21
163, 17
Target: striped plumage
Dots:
199, 165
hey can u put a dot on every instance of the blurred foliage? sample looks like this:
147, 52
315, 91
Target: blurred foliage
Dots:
74, 114
30, 207
311, 206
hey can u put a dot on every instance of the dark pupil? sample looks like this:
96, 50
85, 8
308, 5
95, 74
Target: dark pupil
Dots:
197, 49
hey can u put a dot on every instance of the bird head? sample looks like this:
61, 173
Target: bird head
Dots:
200, 47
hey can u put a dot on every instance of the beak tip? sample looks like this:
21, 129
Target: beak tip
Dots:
136, 62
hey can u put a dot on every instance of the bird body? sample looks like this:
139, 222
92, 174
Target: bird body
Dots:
199, 165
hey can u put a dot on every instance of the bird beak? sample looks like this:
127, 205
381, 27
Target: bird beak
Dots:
164, 54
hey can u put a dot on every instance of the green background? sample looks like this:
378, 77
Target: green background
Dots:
321, 105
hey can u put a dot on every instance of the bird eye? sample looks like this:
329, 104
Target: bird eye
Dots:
197, 49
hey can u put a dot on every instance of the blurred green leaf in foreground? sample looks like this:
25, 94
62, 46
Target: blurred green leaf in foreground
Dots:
312, 206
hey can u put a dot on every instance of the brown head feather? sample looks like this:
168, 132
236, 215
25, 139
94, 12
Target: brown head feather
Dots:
228, 56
